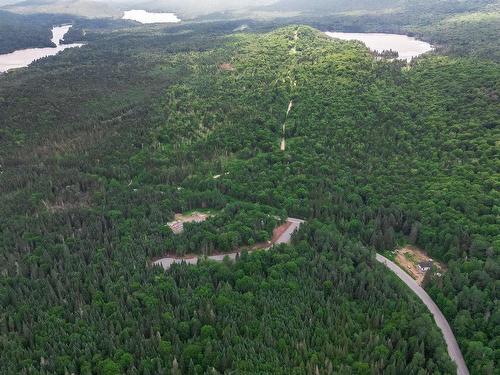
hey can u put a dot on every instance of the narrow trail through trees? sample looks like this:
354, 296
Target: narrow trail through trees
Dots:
283, 145
293, 84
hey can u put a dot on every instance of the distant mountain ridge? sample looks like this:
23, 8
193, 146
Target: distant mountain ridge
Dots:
335, 6
194, 8
114, 8
85, 8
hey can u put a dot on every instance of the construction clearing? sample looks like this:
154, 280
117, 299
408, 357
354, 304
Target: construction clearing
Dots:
416, 262
177, 225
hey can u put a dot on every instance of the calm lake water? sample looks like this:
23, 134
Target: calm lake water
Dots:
147, 17
406, 46
24, 57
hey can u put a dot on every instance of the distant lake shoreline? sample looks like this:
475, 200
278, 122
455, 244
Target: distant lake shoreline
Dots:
406, 46
24, 57
145, 17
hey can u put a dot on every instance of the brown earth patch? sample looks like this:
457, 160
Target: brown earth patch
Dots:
195, 216
227, 67
177, 225
409, 257
278, 231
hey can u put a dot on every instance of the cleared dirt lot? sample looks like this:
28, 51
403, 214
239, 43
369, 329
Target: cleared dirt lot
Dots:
177, 225
409, 258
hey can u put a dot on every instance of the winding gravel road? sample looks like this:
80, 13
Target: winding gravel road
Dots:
441, 322
285, 237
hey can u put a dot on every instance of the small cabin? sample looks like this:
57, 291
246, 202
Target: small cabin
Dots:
425, 265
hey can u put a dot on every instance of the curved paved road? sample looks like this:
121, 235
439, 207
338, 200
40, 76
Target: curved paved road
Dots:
441, 322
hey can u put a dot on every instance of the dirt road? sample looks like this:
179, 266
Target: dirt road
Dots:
284, 237
441, 322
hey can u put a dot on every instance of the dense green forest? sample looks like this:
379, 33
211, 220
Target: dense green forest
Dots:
132, 127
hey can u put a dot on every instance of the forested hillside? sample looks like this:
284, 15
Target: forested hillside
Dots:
379, 6
82, 8
20, 31
134, 126
462, 28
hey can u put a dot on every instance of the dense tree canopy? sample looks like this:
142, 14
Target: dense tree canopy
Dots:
100, 146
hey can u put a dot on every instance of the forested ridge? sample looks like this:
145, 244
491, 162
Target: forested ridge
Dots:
454, 27
27, 31
133, 127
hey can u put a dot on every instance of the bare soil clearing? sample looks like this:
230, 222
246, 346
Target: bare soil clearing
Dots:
177, 225
226, 67
409, 258
278, 231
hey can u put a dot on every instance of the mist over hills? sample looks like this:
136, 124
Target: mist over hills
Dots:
114, 8
85, 8
259, 9
381, 6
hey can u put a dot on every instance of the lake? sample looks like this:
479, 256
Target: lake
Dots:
24, 57
406, 46
147, 17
